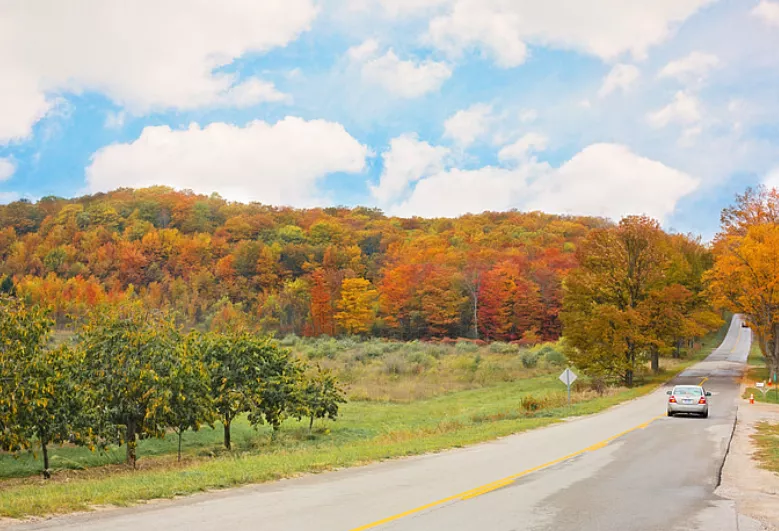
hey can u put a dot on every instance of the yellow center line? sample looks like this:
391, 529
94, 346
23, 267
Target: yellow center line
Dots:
495, 485
703, 381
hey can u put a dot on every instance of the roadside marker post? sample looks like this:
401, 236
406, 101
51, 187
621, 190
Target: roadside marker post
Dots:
568, 377
761, 386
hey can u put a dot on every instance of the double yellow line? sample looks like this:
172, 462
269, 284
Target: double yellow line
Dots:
495, 485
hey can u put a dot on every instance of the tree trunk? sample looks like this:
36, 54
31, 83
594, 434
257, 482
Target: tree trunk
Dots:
655, 360
130, 441
629, 378
476, 314
311, 424
45, 452
678, 350
180, 433
227, 435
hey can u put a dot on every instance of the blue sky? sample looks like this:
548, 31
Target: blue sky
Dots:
419, 107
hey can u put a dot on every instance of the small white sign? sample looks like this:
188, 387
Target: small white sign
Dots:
760, 385
568, 377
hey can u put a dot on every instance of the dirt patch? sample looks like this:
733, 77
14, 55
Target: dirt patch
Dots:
754, 490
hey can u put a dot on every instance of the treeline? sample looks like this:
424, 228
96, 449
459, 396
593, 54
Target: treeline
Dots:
638, 293
133, 374
214, 263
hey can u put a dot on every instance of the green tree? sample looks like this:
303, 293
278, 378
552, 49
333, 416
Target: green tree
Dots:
190, 404
129, 356
39, 397
7, 286
319, 396
248, 374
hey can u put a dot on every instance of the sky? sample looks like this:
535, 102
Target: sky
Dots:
419, 107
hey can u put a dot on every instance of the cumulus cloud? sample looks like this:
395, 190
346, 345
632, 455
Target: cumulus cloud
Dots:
692, 67
7, 169
404, 78
621, 77
279, 163
468, 125
503, 28
768, 12
519, 150
407, 160
141, 62
610, 180
684, 109
772, 179
606, 180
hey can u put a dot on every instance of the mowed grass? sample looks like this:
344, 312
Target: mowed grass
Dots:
367, 431
766, 440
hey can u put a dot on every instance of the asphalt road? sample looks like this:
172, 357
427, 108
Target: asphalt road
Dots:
629, 468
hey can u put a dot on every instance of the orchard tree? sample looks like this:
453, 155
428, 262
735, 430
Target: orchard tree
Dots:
129, 355
190, 404
248, 374
319, 397
39, 397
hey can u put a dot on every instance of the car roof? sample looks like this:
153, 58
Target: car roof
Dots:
688, 387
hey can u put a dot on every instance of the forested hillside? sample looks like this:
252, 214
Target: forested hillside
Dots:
283, 270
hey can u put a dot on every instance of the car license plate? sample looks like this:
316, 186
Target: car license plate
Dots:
687, 401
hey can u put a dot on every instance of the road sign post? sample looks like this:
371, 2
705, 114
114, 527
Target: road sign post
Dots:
568, 377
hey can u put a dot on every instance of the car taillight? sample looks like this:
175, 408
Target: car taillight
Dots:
672, 399
702, 400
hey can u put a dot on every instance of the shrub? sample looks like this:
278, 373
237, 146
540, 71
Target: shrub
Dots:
466, 347
289, 341
529, 359
555, 358
499, 347
395, 364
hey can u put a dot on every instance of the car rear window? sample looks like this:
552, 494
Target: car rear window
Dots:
689, 391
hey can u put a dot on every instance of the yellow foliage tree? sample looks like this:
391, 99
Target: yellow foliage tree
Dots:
357, 306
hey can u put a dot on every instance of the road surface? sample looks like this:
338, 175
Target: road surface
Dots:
629, 468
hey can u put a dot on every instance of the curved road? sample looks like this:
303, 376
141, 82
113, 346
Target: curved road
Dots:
629, 468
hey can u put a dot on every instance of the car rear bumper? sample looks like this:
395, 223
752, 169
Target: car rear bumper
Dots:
697, 409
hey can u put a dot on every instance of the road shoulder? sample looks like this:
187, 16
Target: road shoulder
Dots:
754, 490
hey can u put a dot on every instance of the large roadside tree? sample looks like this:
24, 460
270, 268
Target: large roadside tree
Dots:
605, 317
129, 354
745, 276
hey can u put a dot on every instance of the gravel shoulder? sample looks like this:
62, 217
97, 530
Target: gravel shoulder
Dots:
754, 490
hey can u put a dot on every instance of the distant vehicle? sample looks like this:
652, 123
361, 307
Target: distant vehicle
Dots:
690, 399
744, 324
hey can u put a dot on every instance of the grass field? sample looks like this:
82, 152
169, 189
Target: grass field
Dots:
758, 372
767, 442
464, 404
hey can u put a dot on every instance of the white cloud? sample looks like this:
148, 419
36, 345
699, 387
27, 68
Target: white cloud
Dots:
397, 8
143, 55
621, 77
611, 181
768, 12
7, 169
684, 109
772, 179
603, 28
405, 79
519, 150
467, 125
8, 197
690, 136
602, 180
527, 116
115, 120
407, 161
692, 67
276, 164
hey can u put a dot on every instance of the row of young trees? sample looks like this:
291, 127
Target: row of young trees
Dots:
303, 271
133, 374
638, 293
